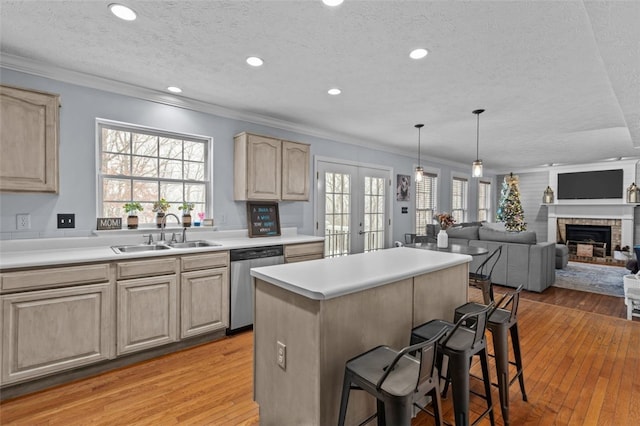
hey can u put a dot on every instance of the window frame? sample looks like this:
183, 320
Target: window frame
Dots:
131, 127
488, 204
432, 173
465, 196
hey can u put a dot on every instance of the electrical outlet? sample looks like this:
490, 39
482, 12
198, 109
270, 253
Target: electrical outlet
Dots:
66, 220
23, 221
282, 355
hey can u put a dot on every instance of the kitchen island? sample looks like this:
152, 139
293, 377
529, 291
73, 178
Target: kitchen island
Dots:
327, 311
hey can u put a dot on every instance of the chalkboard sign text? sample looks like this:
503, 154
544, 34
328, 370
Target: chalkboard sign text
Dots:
264, 219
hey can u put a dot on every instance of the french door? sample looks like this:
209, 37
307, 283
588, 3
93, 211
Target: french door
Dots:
353, 205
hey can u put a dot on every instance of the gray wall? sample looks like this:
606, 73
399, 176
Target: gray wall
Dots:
80, 108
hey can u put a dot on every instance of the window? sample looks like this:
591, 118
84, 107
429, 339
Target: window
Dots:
484, 201
337, 214
145, 165
459, 199
426, 196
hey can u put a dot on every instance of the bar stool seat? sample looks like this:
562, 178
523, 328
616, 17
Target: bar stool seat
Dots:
460, 344
398, 380
500, 322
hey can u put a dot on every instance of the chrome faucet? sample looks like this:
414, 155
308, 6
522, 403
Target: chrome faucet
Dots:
164, 224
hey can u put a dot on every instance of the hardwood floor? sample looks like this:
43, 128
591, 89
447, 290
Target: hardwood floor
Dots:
581, 366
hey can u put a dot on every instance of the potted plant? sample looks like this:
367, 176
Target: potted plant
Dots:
132, 208
186, 213
160, 208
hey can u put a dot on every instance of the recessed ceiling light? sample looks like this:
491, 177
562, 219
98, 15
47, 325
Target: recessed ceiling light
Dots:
332, 2
174, 89
122, 12
334, 91
254, 61
418, 53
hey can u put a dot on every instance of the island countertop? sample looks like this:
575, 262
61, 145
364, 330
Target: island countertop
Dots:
333, 277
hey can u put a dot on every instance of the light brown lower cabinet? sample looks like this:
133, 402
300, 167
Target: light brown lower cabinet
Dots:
48, 331
60, 318
204, 298
147, 313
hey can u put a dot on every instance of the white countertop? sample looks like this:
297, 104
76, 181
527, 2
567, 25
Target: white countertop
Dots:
333, 277
61, 251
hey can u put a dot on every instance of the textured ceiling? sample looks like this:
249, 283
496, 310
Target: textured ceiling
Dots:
560, 80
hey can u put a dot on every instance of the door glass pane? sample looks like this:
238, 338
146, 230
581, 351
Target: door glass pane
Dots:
374, 213
337, 207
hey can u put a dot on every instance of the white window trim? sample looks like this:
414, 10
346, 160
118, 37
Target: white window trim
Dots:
208, 164
460, 175
433, 170
490, 213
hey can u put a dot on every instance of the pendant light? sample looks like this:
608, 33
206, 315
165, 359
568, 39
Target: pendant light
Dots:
419, 169
476, 167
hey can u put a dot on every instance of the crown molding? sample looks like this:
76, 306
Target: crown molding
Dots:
65, 75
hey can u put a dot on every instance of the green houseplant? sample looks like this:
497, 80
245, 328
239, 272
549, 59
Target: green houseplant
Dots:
186, 213
160, 208
132, 209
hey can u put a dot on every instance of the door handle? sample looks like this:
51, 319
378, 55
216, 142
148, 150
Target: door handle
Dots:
360, 232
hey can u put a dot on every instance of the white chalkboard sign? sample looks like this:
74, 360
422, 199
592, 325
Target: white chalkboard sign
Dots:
264, 219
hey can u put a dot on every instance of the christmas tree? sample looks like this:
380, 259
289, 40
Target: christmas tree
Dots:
504, 192
510, 208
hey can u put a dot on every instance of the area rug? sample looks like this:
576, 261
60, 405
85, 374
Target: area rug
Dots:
603, 279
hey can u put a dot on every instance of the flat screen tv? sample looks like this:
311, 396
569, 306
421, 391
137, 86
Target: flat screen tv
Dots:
601, 184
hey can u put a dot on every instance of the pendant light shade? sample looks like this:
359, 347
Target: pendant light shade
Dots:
476, 167
419, 169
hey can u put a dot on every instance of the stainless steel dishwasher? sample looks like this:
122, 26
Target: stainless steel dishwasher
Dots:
241, 294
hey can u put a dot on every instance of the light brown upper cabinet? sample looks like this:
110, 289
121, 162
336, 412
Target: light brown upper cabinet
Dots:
295, 171
271, 169
28, 140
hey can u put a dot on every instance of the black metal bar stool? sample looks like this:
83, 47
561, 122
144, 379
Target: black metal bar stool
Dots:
398, 380
481, 278
460, 344
502, 320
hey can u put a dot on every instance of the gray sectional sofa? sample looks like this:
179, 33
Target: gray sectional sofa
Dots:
523, 260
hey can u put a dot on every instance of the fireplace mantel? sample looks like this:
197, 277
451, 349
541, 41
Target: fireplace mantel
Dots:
622, 211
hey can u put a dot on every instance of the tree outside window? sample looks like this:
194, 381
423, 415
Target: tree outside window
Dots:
144, 165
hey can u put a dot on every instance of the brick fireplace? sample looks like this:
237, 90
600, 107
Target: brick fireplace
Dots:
619, 218
614, 227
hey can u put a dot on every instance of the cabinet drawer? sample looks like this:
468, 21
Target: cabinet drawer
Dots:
205, 261
305, 249
147, 268
54, 277
304, 258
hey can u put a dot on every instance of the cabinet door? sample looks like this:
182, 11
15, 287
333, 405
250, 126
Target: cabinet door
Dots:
28, 140
295, 171
48, 331
205, 301
147, 313
264, 164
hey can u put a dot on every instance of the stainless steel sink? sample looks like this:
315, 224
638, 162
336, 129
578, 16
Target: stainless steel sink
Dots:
139, 248
193, 244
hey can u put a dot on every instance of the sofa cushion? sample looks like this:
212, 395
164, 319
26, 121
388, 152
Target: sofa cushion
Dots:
496, 226
467, 232
525, 237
